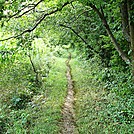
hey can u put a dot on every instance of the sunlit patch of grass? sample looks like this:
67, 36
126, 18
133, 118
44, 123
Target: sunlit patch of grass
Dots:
50, 112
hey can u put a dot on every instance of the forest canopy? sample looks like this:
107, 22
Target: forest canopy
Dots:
104, 28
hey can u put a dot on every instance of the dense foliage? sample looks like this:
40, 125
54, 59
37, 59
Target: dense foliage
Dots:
35, 36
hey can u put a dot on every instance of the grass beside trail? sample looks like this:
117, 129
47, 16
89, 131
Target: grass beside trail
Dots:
50, 114
40, 111
97, 110
28, 109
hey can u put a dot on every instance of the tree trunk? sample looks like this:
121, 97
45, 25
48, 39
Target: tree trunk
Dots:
37, 81
131, 26
125, 21
113, 39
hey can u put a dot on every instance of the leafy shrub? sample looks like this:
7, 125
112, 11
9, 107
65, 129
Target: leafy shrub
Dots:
20, 100
3, 123
118, 81
105, 101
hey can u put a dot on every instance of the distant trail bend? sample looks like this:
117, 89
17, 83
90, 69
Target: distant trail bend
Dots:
68, 113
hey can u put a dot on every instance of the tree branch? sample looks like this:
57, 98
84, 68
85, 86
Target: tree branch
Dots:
38, 22
79, 37
31, 6
109, 32
30, 9
75, 18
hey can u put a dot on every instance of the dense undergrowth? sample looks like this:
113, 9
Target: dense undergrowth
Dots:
104, 105
104, 102
26, 107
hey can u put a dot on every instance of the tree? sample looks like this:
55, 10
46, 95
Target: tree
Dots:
32, 15
127, 10
130, 4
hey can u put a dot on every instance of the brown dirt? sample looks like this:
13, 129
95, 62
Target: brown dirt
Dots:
68, 114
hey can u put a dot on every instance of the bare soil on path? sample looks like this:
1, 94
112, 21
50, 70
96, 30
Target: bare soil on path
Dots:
68, 113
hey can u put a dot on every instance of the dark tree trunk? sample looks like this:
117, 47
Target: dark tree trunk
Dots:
37, 81
131, 26
113, 39
125, 20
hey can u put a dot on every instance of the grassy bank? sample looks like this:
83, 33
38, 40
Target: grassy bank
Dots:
99, 111
48, 121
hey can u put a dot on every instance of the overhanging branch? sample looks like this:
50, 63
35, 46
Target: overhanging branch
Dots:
110, 33
79, 37
30, 6
35, 5
38, 22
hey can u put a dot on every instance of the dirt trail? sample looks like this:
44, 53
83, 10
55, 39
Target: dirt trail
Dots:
68, 108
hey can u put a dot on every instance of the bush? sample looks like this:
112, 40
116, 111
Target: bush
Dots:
19, 101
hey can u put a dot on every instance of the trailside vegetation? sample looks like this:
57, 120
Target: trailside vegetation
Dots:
36, 37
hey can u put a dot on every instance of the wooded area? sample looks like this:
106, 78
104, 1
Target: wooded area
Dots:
66, 56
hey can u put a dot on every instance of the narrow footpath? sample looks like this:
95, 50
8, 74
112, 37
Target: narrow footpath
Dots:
68, 108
